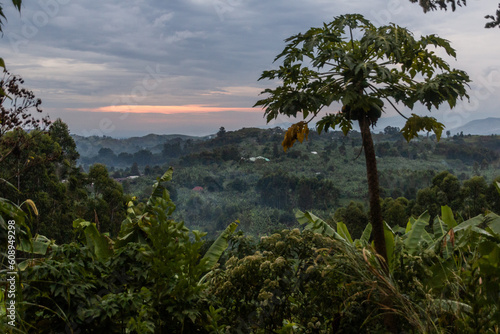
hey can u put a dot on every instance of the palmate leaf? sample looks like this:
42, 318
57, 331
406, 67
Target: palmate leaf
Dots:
298, 131
331, 121
416, 123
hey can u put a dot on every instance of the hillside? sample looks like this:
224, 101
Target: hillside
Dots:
221, 179
90, 146
482, 127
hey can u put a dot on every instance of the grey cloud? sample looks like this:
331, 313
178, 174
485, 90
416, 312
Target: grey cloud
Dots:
92, 53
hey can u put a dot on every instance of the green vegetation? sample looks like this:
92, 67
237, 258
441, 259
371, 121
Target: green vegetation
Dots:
264, 194
156, 277
97, 249
93, 259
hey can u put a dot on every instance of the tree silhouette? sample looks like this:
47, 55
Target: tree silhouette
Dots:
18, 105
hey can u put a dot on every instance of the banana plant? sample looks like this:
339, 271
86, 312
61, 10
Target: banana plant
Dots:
25, 241
100, 245
139, 226
318, 225
220, 245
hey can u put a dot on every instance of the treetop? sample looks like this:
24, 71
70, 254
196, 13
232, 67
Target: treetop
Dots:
364, 68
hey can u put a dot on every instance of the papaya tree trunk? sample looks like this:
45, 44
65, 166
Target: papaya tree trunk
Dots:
376, 211
373, 188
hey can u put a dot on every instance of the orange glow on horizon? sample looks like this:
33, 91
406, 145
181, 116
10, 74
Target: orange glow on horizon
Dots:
146, 109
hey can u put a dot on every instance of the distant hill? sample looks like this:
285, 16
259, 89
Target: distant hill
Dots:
90, 146
483, 127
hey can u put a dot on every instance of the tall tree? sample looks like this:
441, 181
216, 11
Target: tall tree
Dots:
362, 67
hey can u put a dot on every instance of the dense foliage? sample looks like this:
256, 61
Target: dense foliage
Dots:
83, 257
158, 277
43, 168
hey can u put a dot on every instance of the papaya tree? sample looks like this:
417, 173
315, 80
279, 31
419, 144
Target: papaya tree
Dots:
359, 68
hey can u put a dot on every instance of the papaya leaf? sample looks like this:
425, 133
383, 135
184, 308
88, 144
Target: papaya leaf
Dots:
220, 245
416, 123
297, 131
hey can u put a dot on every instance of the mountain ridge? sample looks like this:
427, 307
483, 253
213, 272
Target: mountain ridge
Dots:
483, 127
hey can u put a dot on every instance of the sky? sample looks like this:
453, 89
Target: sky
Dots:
125, 68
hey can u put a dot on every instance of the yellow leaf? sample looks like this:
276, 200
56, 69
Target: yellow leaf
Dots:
297, 131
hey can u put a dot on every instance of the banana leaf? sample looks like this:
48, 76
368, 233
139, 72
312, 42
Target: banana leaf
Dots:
493, 221
344, 232
439, 227
447, 217
101, 246
316, 224
39, 245
364, 240
389, 243
417, 233
220, 245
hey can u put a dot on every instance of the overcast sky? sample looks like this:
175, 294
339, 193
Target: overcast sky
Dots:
132, 67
